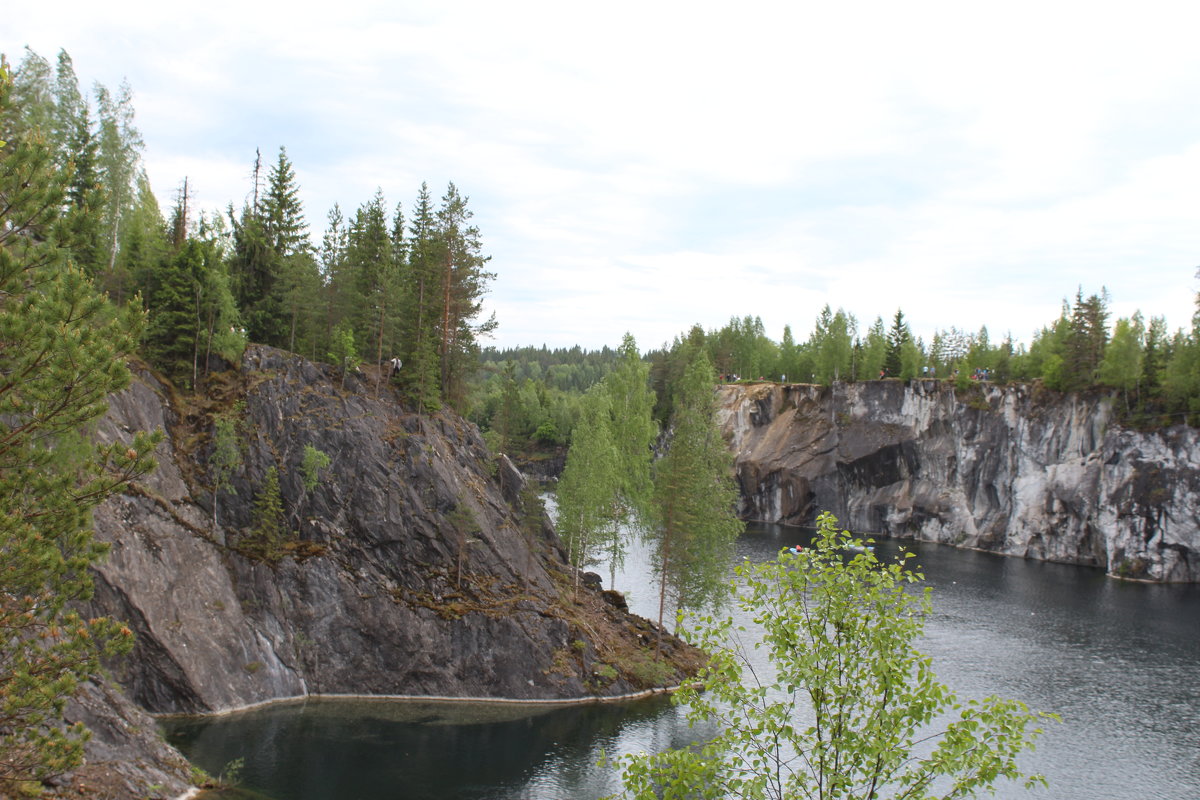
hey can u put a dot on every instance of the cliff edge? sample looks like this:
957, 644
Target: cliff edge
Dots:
419, 564
1000, 468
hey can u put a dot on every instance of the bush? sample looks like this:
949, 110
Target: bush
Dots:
849, 710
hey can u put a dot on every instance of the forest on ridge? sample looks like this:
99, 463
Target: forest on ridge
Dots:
389, 281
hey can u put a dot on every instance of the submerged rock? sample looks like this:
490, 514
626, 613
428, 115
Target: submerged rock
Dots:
1050, 477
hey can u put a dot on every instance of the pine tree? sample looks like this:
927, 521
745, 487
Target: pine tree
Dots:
694, 498
463, 282
1158, 346
62, 352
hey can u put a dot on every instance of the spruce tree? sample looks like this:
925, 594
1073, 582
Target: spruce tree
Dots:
173, 334
335, 306
419, 338
898, 337
282, 212
254, 270
268, 524
62, 352
31, 101
369, 257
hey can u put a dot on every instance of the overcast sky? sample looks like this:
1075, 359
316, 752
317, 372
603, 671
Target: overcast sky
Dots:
646, 166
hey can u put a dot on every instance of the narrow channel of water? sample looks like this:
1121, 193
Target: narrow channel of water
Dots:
1119, 662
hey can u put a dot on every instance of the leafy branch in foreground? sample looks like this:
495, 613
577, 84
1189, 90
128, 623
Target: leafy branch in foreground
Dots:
848, 708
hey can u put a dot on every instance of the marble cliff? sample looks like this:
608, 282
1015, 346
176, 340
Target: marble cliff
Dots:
1009, 469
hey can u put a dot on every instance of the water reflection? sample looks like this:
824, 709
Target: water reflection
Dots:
1120, 663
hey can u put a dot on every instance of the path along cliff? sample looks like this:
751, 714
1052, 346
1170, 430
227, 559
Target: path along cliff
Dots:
1009, 469
418, 565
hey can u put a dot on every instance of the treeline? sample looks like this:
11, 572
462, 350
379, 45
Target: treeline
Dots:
1156, 372
613, 486
378, 286
530, 397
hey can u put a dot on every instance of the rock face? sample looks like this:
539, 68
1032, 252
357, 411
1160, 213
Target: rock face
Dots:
997, 468
411, 569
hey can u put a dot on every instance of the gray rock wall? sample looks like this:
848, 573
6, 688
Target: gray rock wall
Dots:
368, 598
996, 468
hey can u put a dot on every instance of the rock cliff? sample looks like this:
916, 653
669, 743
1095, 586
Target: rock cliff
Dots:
1005, 469
413, 567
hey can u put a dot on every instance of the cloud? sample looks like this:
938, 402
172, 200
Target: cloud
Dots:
646, 166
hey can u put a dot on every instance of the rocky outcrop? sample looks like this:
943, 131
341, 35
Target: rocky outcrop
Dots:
125, 757
997, 468
412, 568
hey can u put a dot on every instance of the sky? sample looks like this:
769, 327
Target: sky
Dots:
643, 167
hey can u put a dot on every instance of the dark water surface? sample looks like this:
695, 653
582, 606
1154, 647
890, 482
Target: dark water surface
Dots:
1120, 662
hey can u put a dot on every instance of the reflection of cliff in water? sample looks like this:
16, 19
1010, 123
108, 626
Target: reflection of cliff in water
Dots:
1119, 661
357, 748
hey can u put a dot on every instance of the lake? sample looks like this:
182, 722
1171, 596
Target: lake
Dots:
1119, 662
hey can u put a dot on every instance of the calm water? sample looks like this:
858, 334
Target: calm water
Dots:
1119, 662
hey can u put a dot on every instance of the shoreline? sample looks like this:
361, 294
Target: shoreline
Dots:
412, 698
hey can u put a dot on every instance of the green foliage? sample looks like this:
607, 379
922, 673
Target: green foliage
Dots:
849, 708
1123, 362
172, 338
742, 347
694, 498
343, 352
873, 352
634, 431
62, 352
226, 457
898, 336
268, 525
547, 434
832, 345
313, 462
590, 482
532, 511
464, 525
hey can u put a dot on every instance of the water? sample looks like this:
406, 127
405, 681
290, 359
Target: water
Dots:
1119, 662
